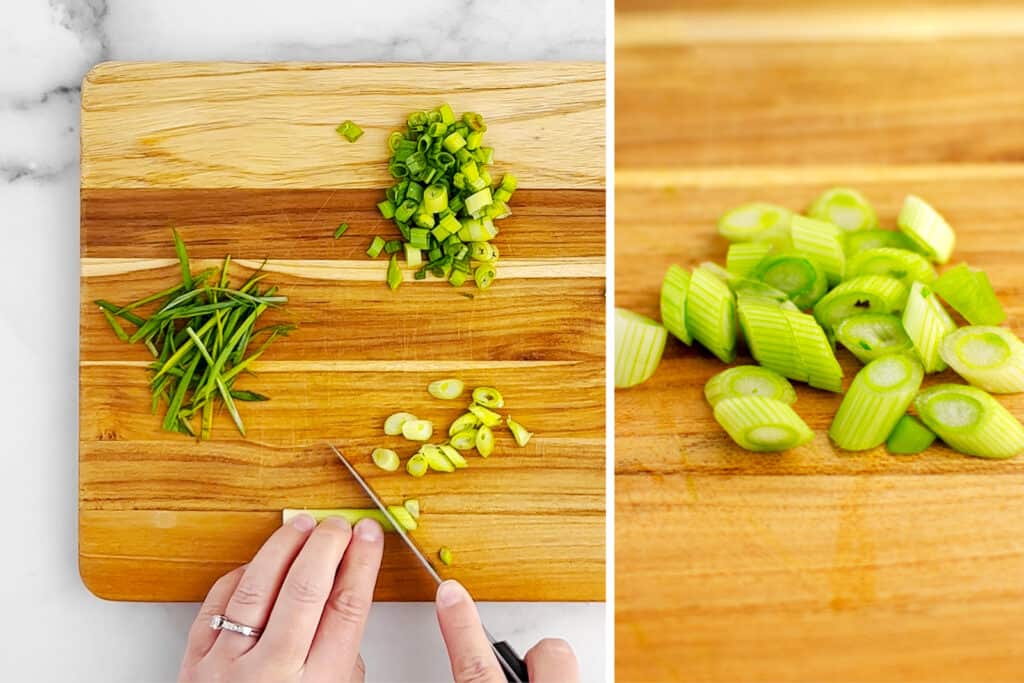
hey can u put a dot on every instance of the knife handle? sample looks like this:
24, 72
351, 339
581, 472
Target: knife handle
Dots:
513, 666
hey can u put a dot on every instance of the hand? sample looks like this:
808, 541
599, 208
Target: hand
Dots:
310, 588
473, 661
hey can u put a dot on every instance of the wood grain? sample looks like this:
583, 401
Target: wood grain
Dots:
816, 564
220, 152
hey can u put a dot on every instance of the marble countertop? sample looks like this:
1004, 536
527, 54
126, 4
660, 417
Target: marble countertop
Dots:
55, 630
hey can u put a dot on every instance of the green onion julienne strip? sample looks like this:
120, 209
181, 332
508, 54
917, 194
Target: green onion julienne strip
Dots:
762, 424
845, 208
711, 314
770, 339
802, 279
864, 294
749, 380
905, 266
927, 323
822, 242
815, 352
991, 358
909, 436
970, 421
927, 228
758, 222
639, 343
871, 335
862, 240
673, 303
970, 293
878, 397
743, 257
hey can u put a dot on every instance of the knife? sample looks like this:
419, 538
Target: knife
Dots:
511, 663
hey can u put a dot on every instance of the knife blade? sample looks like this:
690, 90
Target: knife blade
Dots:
512, 664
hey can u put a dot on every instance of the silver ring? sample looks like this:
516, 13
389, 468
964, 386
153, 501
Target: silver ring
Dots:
222, 623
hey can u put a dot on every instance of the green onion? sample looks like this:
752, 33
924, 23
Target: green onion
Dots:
446, 389
488, 397
871, 335
487, 417
639, 343
467, 421
864, 294
416, 465
484, 275
762, 424
815, 352
386, 459
394, 273
350, 131
845, 208
909, 436
802, 279
991, 358
519, 432
770, 339
403, 517
376, 246
756, 222
856, 242
182, 252
970, 293
673, 303
417, 430
970, 421
927, 228
823, 243
905, 266
340, 230
454, 456
464, 440
445, 554
436, 459
749, 380
878, 397
394, 423
353, 516
413, 506
743, 257
927, 324
484, 441
711, 314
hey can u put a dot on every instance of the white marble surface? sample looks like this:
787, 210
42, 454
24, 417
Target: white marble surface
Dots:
51, 628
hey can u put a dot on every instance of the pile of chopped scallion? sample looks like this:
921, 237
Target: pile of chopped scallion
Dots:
795, 285
203, 334
444, 202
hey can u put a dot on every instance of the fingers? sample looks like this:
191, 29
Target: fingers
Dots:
469, 651
257, 590
300, 604
201, 637
344, 618
358, 671
552, 661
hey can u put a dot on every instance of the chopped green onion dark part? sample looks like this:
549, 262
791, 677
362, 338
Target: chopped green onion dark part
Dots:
970, 294
350, 131
909, 437
340, 230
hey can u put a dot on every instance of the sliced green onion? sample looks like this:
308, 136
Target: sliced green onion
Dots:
905, 266
445, 554
802, 279
454, 456
909, 436
394, 273
467, 421
770, 339
749, 380
464, 440
413, 256
435, 198
762, 424
488, 397
416, 465
673, 303
639, 343
743, 287
845, 208
484, 441
403, 517
871, 335
991, 358
519, 432
394, 423
927, 324
970, 293
436, 459
353, 516
350, 131
970, 421
878, 397
756, 222
823, 243
926, 226
413, 506
711, 315
863, 240
386, 459
446, 389
376, 246
487, 417
864, 294
417, 430
743, 257
815, 352
341, 229
485, 275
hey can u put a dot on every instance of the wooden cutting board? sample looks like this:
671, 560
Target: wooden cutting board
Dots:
815, 565
243, 159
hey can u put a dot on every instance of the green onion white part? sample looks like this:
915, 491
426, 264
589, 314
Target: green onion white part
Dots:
927, 324
403, 517
393, 425
454, 456
871, 335
711, 314
756, 222
856, 242
770, 339
864, 294
418, 430
352, 515
905, 266
970, 294
446, 389
762, 424
486, 416
416, 465
878, 397
488, 397
462, 423
484, 441
436, 459
445, 555
970, 421
845, 208
413, 506
519, 432
800, 278
743, 257
464, 440
749, 380
991, 358
815, 352
673, 303
386, 459
926, 226
639, 343
909, 436
823, 242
